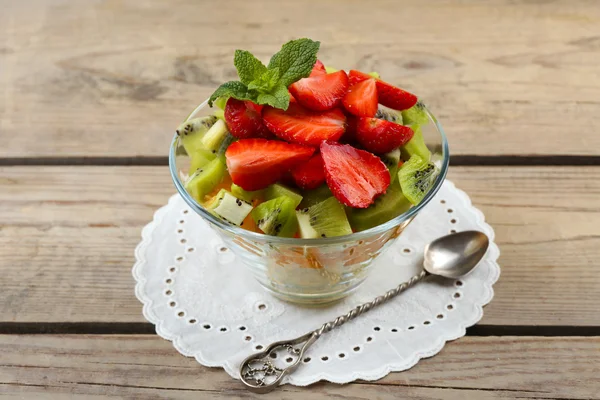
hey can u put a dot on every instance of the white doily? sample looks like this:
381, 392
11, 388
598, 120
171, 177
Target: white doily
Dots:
206, 302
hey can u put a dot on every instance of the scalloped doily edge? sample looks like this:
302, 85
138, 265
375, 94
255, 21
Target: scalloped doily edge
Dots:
373, 375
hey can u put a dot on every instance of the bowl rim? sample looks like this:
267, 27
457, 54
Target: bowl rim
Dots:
238, 231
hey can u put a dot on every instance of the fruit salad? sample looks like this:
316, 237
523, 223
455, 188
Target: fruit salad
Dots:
297, 149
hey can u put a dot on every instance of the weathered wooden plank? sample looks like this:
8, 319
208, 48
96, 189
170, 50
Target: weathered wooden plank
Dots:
67, 237
132, 367
113, 78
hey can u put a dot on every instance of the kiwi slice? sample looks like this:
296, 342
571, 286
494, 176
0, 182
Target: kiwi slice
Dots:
324, 219
389, 115
249, 196
417, 176
221, 102
374, 74
229, 208
391, 161
219, 114
203, 180
215, 136
416, 146
314, 196
277, 190
277, 217
385, 208
330, 70
199, 158
191, 132
415, 115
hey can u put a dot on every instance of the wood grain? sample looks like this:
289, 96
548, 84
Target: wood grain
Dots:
114, 78
133, 367
68, 234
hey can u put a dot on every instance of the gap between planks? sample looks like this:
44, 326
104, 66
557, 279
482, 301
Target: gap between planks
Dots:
144, 328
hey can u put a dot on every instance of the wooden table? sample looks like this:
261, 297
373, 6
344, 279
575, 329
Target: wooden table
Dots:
90, 92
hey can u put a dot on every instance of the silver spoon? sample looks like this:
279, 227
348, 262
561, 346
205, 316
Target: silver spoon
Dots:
450, 256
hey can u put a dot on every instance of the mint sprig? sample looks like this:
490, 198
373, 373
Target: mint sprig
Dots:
268, 85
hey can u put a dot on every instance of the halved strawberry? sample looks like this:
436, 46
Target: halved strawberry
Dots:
256, 107
311, 174
302, 126
244, 120
254, 164
318, 69
389, 95
355, 177
321, 92
380, 136
361, 99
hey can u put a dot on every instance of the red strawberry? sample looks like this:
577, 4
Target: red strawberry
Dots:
243, 119
256, 107
361, 99
355, 177
311, 174
390, 96
321, 92
302, 126
254, 164
318, 69
381, 136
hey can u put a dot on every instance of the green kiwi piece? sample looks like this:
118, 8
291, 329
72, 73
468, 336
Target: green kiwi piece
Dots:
415, 115
249, 196
324, 219
221, 102
416, 146
192, 132
314, 196
417, 176
277, 217
229, 208
215, 136
385, 208
199, 158
374, 75
277, 190
219, 114
330, 70
391, 161
203, 180
389, 115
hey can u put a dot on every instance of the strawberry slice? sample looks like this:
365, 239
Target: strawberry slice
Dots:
244, 120
390, 96
318, 69
254, 164
361, 99
381, 136
302, 126
355, 177
321, 92
311, 174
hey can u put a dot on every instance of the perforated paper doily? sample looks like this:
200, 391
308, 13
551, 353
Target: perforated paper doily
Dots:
205, 301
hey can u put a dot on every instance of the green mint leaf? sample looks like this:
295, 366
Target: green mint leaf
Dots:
249, 68
295, 60
279, 97
234, 89
266, 82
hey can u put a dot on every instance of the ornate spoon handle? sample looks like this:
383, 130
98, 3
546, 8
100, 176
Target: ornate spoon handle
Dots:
259, 373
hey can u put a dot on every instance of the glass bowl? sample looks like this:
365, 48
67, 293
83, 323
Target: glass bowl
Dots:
310, 271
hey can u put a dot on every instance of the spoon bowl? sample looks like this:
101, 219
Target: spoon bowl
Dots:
455, 255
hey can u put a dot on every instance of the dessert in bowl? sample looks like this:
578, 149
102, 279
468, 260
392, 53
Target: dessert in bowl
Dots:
308, 173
